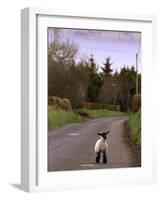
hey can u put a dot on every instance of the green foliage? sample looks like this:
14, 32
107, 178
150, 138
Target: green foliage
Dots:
104, 113
82, 112
94, 82
80, 80
99, 113
114, 107
67, 80
107, 68
95, 105
57, 118
119, 88
135, 125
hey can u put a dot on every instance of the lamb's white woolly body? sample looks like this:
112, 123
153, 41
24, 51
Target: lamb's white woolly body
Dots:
101, 145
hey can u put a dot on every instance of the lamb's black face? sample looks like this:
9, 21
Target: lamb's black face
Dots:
103, 134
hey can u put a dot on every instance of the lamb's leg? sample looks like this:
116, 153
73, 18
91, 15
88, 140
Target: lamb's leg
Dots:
104, 158
98, 157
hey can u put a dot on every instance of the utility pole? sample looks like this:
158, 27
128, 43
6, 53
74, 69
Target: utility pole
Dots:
136, 74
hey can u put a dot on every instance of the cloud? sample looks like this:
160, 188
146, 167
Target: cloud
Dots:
101, 34
112, 35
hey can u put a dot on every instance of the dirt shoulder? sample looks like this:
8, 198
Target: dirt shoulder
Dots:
135, 148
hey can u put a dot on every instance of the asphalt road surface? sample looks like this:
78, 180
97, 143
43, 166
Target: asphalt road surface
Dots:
71, 147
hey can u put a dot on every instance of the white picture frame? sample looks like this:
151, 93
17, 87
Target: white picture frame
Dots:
34, 176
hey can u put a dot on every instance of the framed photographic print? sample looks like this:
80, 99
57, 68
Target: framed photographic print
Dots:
86, 99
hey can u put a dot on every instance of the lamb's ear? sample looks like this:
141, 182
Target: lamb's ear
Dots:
98, 133
107, 132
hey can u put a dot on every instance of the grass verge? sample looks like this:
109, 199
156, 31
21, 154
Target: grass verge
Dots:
98, 113
57, 118
135, 126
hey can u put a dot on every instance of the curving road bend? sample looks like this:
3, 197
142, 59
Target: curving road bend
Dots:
71, 147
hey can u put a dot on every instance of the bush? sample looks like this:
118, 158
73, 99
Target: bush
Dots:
105, 113
92, 106
94, 113
82, 112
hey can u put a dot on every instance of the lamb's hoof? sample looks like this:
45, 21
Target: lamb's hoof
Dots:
98, 158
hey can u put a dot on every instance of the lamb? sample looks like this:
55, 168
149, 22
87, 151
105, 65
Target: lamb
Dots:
101, 147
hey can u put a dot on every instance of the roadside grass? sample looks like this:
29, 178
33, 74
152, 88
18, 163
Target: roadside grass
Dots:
58, 117
135, 125
94, 113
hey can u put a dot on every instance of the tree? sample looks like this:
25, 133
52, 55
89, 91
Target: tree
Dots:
94, 81
59, 49
66, 78
107, 68
109, 92
64, 51
68, 81
127, 81
119, 88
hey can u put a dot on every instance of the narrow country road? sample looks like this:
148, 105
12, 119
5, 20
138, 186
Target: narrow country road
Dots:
71, 147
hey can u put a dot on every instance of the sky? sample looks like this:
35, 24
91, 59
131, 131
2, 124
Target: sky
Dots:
120, 46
